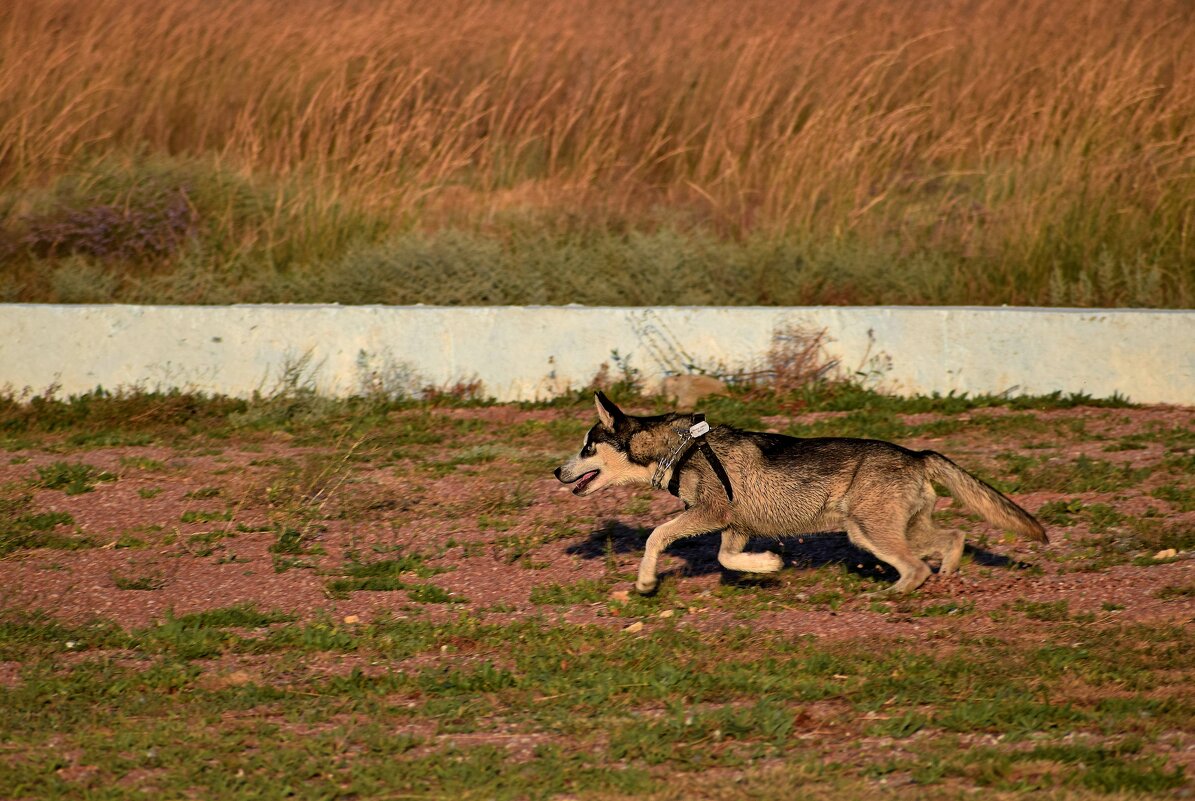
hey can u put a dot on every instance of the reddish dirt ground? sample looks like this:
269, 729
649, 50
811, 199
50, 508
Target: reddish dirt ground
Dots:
374, 507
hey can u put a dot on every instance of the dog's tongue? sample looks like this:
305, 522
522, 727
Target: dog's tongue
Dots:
584, 481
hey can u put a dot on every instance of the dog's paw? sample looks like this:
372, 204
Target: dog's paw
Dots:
646, 587
901, 587
767, 562
762, 562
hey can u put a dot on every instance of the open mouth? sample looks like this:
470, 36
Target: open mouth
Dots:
584, 481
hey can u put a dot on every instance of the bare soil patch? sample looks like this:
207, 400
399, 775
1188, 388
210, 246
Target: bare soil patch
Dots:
199, 530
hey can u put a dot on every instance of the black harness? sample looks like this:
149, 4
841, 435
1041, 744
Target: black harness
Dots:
690, 444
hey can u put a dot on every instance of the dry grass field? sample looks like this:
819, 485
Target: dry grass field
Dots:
475, 151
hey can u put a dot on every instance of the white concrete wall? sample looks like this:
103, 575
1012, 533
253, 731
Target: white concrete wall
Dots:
536, 352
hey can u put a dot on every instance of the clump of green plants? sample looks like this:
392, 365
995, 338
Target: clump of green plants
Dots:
73, 478
200, 516
1182, 498
694, 737
1100, 517
147, 582
433, 594
24, 528
387, 575
585, 591
142, 463
1152, 533
1043, 610
1172, 591
202, 493
244, 616
205, 543
1083, 474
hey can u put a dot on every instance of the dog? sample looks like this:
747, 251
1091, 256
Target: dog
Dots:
746, 483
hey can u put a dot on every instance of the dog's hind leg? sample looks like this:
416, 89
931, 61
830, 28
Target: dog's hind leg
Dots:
953, 543
687, 524
926, 539
887, 541
731, 555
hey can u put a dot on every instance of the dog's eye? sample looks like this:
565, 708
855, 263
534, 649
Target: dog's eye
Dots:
587, 450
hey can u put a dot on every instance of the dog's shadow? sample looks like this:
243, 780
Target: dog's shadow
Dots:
803, 551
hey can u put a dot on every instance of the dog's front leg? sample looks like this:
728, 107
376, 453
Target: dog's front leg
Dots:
687, 524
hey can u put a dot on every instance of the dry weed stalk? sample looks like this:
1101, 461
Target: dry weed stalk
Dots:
798, 358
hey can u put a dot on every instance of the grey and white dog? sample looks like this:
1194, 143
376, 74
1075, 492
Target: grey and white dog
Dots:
746, 483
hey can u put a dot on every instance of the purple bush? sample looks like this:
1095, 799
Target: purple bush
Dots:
145, 229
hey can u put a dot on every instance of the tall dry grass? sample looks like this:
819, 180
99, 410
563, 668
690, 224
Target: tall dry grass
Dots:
1027, 141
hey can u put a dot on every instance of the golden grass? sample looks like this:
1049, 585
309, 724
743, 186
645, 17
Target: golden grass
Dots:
1039, 135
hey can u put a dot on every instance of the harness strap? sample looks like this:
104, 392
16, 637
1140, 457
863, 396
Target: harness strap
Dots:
710, 456
719, 470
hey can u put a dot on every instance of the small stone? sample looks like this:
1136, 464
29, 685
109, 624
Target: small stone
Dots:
1169, 553
667, 613
351, 619
238, 678
622, 596
634, 627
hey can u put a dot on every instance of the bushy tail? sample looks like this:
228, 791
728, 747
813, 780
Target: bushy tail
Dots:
981, 498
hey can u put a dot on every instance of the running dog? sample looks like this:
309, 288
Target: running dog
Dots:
746, 483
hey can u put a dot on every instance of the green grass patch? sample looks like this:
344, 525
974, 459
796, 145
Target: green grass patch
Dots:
24, 528
200, 516
1173, 591
388, 575
1083, 474
433, 594
291, 541
1182, 498
1042, 610
245, 616
73, 478
142, 463
676, 702
146, 583
203, 493
1099, 517
1105, 769
586, 591
697, 738
206, 543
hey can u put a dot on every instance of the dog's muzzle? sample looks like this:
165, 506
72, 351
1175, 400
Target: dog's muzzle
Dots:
582, 481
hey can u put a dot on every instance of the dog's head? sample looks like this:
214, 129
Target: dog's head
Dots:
607, 457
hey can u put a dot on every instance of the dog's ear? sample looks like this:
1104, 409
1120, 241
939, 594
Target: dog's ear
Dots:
608, 414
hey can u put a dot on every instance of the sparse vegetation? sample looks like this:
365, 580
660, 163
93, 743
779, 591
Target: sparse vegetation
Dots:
24, 528
138, 582
387, 575
355, 669
1083, 474
72, 478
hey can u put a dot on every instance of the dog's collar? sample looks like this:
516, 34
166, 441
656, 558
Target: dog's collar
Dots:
684, 451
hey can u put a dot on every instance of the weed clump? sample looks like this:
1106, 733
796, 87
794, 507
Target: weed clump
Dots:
73, 478
24, 528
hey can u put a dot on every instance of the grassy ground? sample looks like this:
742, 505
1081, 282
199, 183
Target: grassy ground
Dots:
390, 599
599, 152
